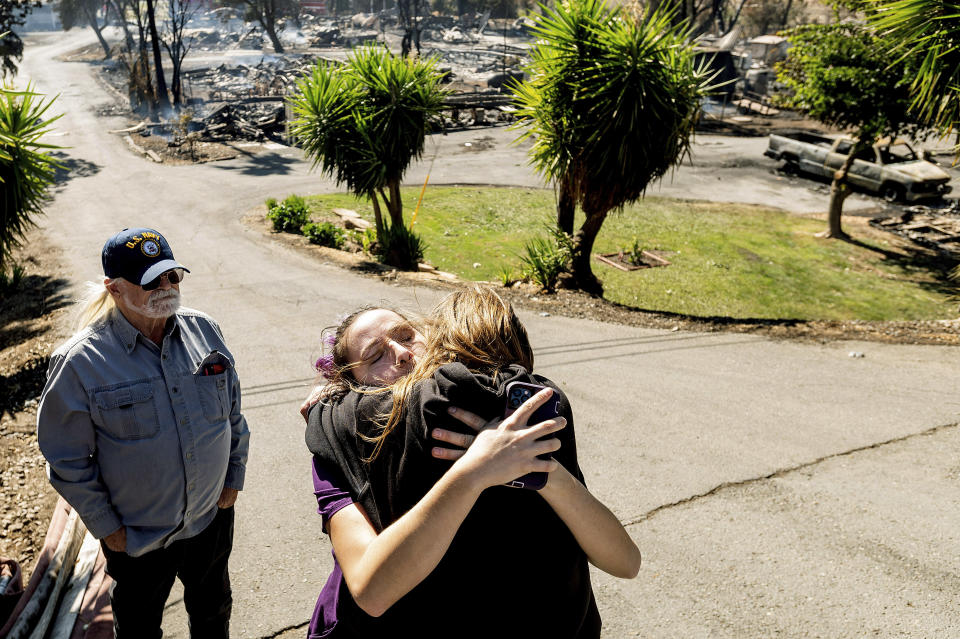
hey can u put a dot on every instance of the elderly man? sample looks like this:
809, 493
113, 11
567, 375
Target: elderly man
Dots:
141, 427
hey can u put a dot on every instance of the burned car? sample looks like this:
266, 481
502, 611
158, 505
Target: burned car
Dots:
890, 168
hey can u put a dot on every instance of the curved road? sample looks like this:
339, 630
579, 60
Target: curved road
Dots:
776, 488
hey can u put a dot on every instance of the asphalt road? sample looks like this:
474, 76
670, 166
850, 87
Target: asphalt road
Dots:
776, 488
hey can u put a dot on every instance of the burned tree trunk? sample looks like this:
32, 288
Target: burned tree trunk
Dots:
91, 16
410, 22
269, 23
122, 19
162, 99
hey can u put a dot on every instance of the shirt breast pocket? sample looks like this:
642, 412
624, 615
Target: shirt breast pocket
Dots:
128, 412
214, 396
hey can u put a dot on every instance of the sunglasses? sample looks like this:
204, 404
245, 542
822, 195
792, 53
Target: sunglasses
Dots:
174, 276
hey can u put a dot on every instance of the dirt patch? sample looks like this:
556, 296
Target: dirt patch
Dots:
32, 322
197, 153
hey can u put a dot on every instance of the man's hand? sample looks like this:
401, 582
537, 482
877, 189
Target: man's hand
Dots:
228, 497
117, 540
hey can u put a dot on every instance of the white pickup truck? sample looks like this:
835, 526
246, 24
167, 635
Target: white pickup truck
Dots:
890, 167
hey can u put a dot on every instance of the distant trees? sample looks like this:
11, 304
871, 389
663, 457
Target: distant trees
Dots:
843, 75
720, 16
26, 169
13, 13
363, 124
267, 13
76, 12
179, 13
610, 108
144, 46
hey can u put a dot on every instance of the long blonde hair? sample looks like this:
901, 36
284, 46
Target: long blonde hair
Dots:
473, 326
95, 304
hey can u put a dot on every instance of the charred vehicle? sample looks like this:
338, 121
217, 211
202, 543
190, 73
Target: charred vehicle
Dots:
890, 168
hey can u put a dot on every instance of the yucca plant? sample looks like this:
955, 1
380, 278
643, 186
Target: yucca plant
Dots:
611, 106
363, 123
26, 168
929, 32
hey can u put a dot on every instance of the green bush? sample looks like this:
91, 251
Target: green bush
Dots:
401, 248
324, 234
289, 216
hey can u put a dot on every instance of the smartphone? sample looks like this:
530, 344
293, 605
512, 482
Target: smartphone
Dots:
517, 394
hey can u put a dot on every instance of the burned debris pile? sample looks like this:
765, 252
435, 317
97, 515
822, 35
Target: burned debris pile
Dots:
935, 228
248, 121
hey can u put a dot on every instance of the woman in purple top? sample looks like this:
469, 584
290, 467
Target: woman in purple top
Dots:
381, 564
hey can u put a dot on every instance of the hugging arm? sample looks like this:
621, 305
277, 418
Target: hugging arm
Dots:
597, 530
381, 568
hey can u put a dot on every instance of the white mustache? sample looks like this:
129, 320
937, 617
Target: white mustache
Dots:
160, 295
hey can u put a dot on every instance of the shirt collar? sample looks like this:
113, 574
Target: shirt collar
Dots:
128, 333
125, 331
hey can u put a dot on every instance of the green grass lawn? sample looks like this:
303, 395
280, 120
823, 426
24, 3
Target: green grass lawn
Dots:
726, 259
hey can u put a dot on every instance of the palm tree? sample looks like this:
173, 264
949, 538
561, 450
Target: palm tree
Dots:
611, 106
365, 122
928, 31
26, 170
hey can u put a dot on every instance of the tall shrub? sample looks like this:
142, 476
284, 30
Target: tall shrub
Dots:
363, 123
26, 168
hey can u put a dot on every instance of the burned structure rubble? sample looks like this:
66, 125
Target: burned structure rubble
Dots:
239, 99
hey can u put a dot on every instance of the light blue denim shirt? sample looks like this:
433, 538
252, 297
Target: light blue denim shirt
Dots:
137, 435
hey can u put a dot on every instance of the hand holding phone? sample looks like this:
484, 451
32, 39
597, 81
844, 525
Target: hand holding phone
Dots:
518, 437
517, 394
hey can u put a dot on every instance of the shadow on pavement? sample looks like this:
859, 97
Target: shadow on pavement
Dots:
72, 168
262, 164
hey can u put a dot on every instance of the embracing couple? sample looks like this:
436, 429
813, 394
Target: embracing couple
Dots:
448, 519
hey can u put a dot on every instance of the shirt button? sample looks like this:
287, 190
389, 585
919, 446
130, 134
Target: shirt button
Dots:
190, 487
189, 455
175, 390
183, 421
164, 356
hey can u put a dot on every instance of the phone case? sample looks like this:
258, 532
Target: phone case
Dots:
517, 394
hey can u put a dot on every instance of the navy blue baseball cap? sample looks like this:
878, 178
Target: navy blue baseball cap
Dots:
138, 256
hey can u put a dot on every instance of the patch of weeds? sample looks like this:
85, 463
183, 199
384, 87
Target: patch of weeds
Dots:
365, 239
547, 258
11, 281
